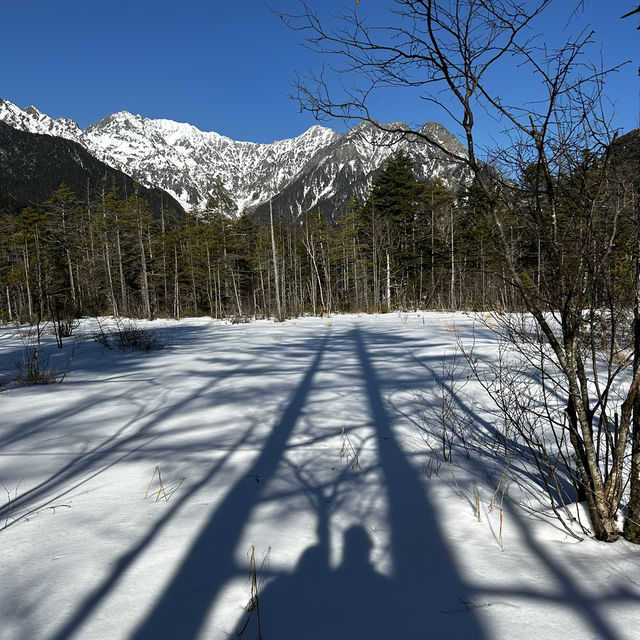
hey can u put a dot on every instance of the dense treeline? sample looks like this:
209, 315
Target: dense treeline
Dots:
410, 245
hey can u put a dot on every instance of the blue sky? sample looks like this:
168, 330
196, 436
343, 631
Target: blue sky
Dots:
225, 66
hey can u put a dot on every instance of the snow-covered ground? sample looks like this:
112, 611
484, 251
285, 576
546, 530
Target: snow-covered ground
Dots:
307, 440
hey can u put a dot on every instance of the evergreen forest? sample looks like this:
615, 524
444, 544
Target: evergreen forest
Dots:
410, 245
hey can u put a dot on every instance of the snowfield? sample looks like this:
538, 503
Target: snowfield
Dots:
134, 492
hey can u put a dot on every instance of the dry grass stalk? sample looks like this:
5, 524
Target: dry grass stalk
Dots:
348, 452
504, 474
254, 600
432, 467
501, 520
460, 492
161, 491
501, 488
253, 603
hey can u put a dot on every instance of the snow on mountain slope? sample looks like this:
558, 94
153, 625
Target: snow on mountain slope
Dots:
347, 166
178, 157
318, 168
189, 163
33, 121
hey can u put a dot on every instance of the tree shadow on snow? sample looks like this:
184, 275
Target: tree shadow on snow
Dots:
181, 610
140, 435
575, 592
142, 442
424, 595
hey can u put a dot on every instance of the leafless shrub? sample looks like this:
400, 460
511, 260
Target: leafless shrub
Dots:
102, 336
66, 326
127, 335
527, 393
33, 367
10, 505
443, 418
132, 337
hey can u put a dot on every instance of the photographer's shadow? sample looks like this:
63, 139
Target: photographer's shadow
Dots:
351, 601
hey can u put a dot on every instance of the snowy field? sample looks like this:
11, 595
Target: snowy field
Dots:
312, 441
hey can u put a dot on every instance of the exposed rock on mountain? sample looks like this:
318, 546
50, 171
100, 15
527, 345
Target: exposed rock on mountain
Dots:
347, 166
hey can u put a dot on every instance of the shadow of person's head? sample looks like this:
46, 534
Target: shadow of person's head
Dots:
357, 549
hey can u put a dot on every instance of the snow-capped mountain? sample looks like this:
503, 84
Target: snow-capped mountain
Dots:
32, 121
346, 167
189, 163
318, 168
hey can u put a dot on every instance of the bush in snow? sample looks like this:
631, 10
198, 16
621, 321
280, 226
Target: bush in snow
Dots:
127, 336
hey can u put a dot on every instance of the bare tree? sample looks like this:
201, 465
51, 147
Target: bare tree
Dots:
548, 178
632, 523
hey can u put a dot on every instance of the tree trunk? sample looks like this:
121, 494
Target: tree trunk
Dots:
632, 523
123, 289
144, 278
275, 263
388, 282
176, 284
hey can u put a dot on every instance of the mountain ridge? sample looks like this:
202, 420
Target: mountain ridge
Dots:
320, 168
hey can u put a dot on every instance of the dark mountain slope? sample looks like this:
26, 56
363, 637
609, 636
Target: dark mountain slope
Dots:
32, 167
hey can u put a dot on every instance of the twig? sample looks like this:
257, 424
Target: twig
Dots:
10, 503
348, 452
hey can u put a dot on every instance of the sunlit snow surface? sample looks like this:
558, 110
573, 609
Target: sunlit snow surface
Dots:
245, 424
